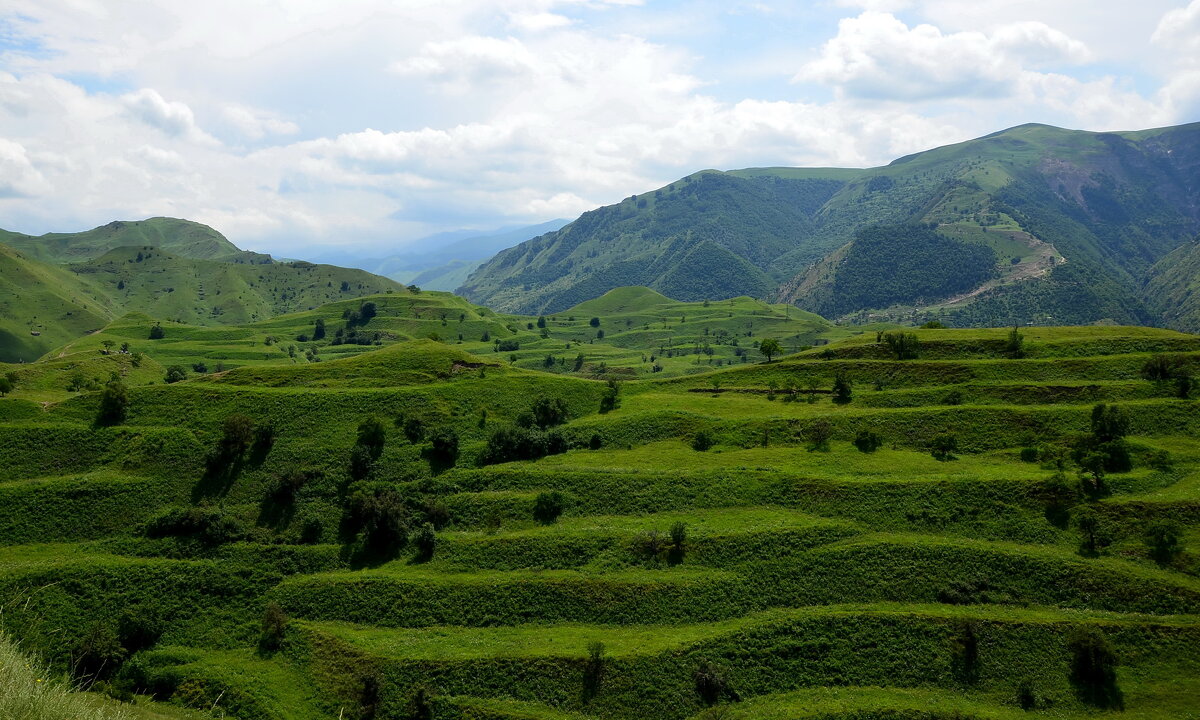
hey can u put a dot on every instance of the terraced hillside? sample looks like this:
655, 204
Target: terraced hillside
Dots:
421, 531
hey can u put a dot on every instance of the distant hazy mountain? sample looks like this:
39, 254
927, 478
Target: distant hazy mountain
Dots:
1032, 224
453, 257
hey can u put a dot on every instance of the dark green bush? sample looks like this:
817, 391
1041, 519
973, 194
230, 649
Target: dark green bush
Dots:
1094, 669
443, 446
175, 373
114, 404
702, 441
867, 441
274, 628
548, 506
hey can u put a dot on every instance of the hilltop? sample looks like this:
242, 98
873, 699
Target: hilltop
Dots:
1045, 225
48, 304
179, 237
423, 528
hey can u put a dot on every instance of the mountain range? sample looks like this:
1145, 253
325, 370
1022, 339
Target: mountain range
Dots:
1034, 224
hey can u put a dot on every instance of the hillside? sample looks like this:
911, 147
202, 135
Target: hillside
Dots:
43, 306
1173, 290
1073, 221
961, 535
179, 237
46, 305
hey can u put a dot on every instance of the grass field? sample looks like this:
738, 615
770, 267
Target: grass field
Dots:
707, 540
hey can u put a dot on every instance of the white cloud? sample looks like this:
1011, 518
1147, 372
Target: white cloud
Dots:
1179, 31
886, 6
173, 118
257, 124
536, 22
875, 55
18, 176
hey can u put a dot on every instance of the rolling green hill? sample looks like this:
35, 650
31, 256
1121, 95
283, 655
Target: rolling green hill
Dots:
1074, 223
46, 305
510, 542
179, 237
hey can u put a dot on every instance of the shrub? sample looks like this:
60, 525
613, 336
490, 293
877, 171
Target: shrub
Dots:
507, 443
1093, 669
114, 404
1092, 535
594, 322
209, 526
1183, 386
867, 441
6, 386
1029, 454
361, 462
702, 441
1109, 422
593, 669
507, 345
319, 329
548, 506
712, 683
1015, 344
842, 389
443, 448
237, 433
904, 346
943, 447
1164, 539
1160, 367
608, 401
371, 435
97, 654
175, 373
954, 397
381, 517
964, 653
274, 627
548, 412
425, 540
156, 332
818, 435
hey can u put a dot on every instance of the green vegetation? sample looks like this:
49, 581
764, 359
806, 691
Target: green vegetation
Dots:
933, 527
1034, 224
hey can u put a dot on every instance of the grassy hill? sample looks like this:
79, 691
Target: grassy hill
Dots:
517, 541
48, 305
1059, 226
179, 237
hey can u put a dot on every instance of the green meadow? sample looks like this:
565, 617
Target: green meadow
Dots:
427, 509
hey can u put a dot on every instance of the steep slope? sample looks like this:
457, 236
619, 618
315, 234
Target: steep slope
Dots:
1173, 290
179, 237
711, 234
1075, 221
43, 306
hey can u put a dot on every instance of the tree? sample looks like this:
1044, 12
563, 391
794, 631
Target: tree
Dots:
97, 654
712, 683
175, 373
108, 346
319, 329
1015, 344
819, 434
1092, 536
770, 347
381, 517
1094, 668
426, 541
579, 362
443, 448
678, 542
593, 669
6, 386
156, 332
548, 412
367, 311
274, 627
372, 435
114, 404
541, 321
904, 346
594, 322
842, 389
702, 441
548, 506
608, 401
867, 441
943, 447
1109, 422
1164, 539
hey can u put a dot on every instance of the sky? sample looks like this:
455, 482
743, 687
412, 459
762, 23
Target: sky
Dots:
365, 125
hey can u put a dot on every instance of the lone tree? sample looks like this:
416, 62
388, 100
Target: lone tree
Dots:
1164, 538
1015, 344
1094, 669
943, 447
842, 389
274, 627
904, 346
372, 435
114, 404
770, 347
156, 332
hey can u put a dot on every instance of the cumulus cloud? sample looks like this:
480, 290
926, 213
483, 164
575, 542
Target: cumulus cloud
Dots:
876, 55
173, 118
18, 176
1179, 31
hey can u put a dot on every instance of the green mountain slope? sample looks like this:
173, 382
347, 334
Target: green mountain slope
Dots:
179, 237
1074, 220
1173, 291
429, 529
43, 306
